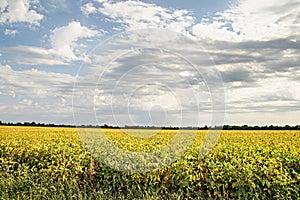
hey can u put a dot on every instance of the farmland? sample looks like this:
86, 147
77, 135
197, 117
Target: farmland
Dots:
53, 163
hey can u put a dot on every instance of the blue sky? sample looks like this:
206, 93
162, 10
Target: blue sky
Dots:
253, 46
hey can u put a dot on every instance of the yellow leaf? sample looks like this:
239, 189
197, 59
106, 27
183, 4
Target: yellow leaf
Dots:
234, 184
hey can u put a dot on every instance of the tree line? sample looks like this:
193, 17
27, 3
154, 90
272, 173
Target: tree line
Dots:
225, 127
33, 124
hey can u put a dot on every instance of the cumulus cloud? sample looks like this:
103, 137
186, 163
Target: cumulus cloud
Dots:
273, 94
65, 47
35, 93
88, 9
12, 11
137, 15
34, 83
252, 20
10, 32
63, 39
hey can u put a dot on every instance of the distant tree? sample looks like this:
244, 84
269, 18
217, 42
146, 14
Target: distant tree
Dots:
287, 127
26, 123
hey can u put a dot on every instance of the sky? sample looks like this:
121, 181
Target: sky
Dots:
165, 63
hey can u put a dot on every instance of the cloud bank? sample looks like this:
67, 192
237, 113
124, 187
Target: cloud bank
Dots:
255, 45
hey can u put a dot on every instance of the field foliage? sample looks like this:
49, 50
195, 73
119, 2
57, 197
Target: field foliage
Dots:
53, 163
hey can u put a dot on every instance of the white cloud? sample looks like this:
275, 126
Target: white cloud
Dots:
88, 9
12, 11
26, 102
213, 31
35, 92
34, 83
63, 39
10, 32
136, 15
30, 55
103, 1
65, 47
252, 20
6, 67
